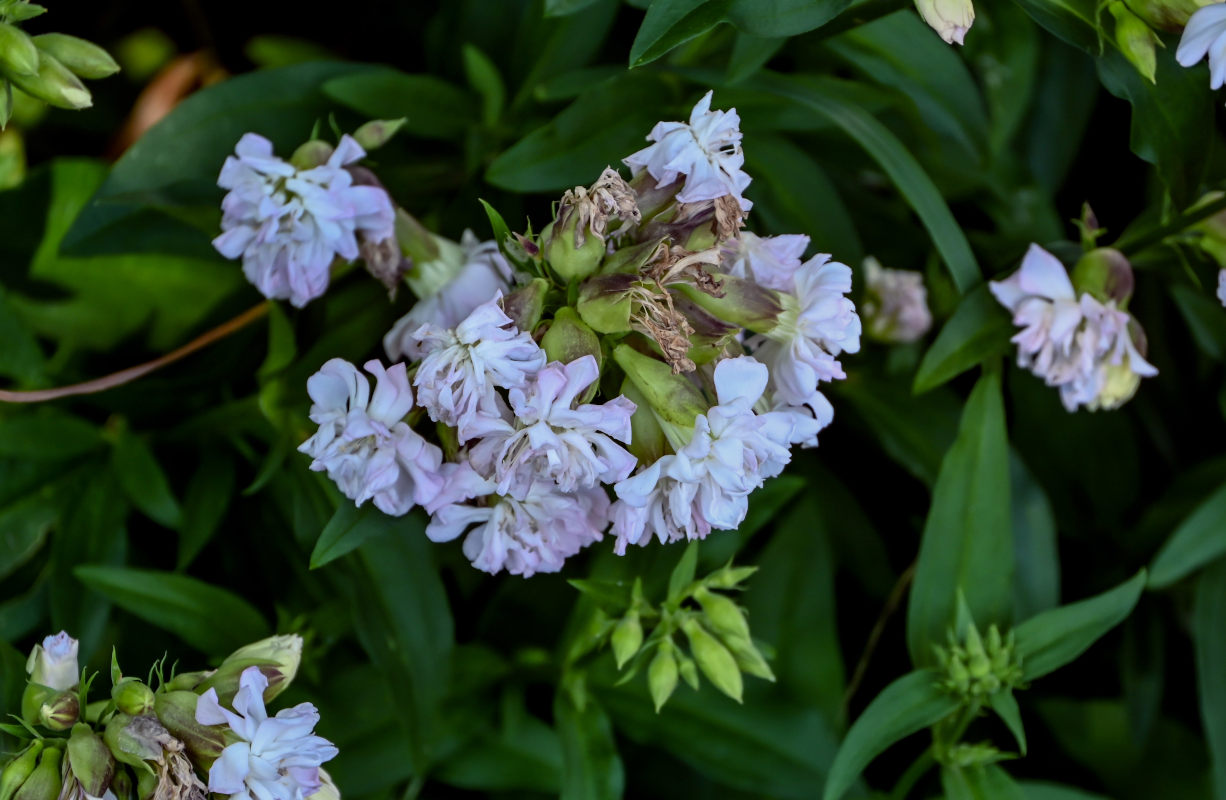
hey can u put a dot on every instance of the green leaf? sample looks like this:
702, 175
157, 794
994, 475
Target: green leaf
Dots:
1198, 540
988, 782
1005, 705
562, 8
1071, 20
21, 358
352, 525
764, 506
47, 434
1209, 634
209, 618
282, 346
483, 76
895, 160
24, 524
1036, 560
978, 330
143, 481
1052, 639
435, 108
683, 574
906, 706
967, 543
1052, 791
591, 766
204, 505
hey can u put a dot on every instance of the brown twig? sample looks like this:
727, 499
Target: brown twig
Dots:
891, 605
132, 373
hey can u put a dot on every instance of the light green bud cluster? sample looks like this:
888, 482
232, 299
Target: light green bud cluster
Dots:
48, 67
966, 755
979, 666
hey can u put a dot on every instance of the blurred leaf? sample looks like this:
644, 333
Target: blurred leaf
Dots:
556, 45
524, 754
1203, 316
1198, 540
591, 766
12, 684
906, 706
683, 574
47, 434
483, 76
1051, 791
22, 615
352, 525
1209, 634
208, 618
560, 8
143, 480
764, 506
988, 782
1005, 52
24, 524
1036, 559
750, 53
205, 504
979, 329
967, 543
1064, 100
1071, 20
435, 108
21, 358
270, 51
282, 346
1049, 640
1005, 705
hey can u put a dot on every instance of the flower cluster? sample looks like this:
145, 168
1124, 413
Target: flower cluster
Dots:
895, 304
1084, 344
193, 735
639, 367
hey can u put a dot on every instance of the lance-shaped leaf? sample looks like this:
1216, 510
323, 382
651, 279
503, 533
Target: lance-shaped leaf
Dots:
1197, 541
1210, 636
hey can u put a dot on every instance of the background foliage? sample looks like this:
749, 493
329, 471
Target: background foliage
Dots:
173, 513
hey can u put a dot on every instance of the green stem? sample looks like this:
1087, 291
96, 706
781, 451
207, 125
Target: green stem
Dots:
415, 787
917, 770
1130, 245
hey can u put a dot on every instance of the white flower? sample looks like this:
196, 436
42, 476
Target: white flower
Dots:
707, 483
818, 323
1221, 286
462, 366
526, 536
951, 19
553, 438
364, 443
1079, 345
706, 152
1205, 34
770, 261
54, 662
896, 303
276, 758
450, 287
289, 224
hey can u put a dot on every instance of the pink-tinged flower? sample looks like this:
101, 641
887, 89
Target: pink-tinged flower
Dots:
707, 483
1205, 35
706, 153
289, 224
769, 261
461, 367
554, 438
451, 287
525, 536
1081, 345
54, 663
275, 758
363, 442
1221, 286
895, 304
817, 324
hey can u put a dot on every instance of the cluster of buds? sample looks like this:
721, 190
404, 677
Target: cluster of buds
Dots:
895, 307
194, 735
642, 343
713, 626
979, 666
48, 67
1076, 332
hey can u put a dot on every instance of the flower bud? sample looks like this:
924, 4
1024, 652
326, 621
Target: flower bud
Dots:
647, 440
277, 657
662, 675
1104, 273
627, 638
729, 577
327, 788
90, 760
742, 302
18, 55
1135, 39
55, 85
1166, 15
45, 782
311, 154
951, 19
424, 247
377, 132
85, 59
673, 398
723, 615
1119, 387
60, 712
186, 681
121, 786
133, 697
571, 253
526, 304
54, 662
687, 670
177, 712
568, 339
604, 303
713, 659
15, 773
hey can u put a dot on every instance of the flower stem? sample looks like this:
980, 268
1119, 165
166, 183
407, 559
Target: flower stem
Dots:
1131, 244
140, 370
917, 770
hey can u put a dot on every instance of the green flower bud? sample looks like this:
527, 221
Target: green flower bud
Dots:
1135, 39
713, 659
85, 59
177, 712
627, 638
14, 773
425, 249
121, 785
186, 681
90, 760
723, 615
662, 675
277, 657
743, 303
55, 85
748, 657
526, 304
132, 740
647, 441
574, 254
574, 243
673, 398
45, 782
33, 699
568, 339
60, 712
729, 577
1166, 15
18, 54
687, 669
133, 697
377, 132
604, 303
311, 154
